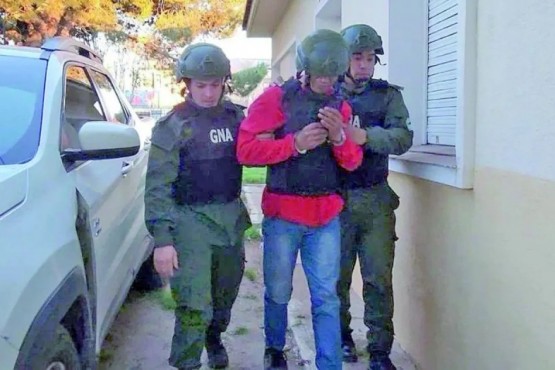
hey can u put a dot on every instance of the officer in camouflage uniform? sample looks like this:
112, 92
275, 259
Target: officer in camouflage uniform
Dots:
193, 207
379, 124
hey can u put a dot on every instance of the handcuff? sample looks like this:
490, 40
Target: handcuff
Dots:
341, 140
334, 143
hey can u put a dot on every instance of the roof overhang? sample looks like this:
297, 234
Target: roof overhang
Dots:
262, 16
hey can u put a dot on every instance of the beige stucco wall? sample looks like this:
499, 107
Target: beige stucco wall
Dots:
374, 13
291, 28
474, 269
474, 272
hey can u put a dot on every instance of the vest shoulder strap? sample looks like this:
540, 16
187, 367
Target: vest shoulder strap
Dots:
383, 84
237, 109
167, 131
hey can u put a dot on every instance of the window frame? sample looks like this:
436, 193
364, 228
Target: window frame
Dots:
128, 116
67, 65
70, 166
449, 165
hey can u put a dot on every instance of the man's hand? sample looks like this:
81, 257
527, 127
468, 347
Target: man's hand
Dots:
358, 135
165, 261
310, 136
332, 120
266, 136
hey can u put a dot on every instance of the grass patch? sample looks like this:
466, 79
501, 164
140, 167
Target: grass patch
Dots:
240, 331
253, 233
254, 175
109, 338
106, 355
251, 274
362, 353
164, 298
124, 307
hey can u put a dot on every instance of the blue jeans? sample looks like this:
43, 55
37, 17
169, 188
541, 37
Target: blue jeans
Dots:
320, 253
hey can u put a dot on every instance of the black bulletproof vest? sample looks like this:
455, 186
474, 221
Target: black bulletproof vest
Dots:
313, 173
208, 168
369, 109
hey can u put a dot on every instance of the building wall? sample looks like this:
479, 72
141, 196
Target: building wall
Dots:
474, 269
297, 22
376, 14
474, 274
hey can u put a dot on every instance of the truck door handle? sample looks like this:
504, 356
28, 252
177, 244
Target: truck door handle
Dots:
146, 145
126, 167
96, 227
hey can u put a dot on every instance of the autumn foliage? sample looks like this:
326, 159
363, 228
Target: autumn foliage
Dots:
155, 22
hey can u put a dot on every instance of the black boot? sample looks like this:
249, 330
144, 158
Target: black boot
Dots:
217, 355
380, 361
348, 348
274, 359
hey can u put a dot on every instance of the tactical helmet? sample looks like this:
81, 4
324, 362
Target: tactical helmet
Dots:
323, 53
361, 37
202, 61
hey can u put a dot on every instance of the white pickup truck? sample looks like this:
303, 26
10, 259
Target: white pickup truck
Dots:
72, 230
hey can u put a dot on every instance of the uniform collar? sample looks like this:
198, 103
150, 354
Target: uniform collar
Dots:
198, 109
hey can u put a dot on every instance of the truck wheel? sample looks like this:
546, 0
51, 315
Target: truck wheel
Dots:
147, 278
58, 354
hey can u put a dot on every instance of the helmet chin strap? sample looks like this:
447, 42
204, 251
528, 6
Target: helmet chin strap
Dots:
225, 85
358, 82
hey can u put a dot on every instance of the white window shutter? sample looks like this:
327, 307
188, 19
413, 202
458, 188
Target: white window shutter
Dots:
442, 71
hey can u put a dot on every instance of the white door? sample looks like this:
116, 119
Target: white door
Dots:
104, 186
134, 236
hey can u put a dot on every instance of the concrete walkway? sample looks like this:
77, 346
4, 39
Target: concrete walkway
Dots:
301, 327
140, 338
252, 196
300, 322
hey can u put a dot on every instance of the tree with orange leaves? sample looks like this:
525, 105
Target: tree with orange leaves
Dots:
172, 22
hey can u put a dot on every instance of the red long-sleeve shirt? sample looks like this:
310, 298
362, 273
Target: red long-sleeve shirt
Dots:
265, 115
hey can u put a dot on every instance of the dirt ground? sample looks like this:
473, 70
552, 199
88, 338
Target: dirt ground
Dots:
140, 337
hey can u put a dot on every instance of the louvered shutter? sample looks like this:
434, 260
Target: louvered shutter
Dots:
442, 71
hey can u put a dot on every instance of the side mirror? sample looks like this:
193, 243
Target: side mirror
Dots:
104, 140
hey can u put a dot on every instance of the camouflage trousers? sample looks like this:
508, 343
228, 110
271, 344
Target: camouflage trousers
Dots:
368, 232
205, 286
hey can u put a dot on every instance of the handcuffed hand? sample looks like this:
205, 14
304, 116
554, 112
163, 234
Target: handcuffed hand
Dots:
311, 136
332, 120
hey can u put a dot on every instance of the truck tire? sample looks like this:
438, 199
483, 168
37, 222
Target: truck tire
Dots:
147, 278
57, 354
